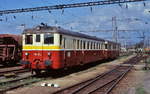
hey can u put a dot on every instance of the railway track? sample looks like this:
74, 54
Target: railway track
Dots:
22, 77
14, 70
17, 82
104, 83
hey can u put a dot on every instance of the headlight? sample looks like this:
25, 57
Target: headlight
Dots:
26, 53
48, 53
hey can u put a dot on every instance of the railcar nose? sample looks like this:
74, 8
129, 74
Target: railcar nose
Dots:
40, 64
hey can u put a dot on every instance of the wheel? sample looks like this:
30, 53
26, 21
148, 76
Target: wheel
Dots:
5, 63
37, 72
9, 63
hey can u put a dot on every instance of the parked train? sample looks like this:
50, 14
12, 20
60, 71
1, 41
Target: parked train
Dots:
147, 50
10, 49
47, 47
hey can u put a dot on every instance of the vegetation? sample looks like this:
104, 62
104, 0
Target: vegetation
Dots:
140, 90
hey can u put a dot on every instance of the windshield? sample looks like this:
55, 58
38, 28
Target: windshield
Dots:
38, 38
28, 39
48, 38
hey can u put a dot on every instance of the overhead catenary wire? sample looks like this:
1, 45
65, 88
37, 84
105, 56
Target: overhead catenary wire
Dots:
63, 6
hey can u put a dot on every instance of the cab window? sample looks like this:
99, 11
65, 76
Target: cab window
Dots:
38, 39
28, 39
48, 39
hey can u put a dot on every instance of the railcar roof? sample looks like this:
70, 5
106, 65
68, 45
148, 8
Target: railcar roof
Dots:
54, 29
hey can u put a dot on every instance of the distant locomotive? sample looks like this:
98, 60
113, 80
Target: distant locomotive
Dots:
10, 49
47, 47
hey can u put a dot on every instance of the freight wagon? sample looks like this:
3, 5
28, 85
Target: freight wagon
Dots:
10, 49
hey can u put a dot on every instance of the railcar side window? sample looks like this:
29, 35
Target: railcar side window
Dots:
28, 39
91, 45
60, 39
74, 43
38, 39
94, 45
106, 46
88, 45
64, 42
84, 45
48, 39
81, 44
99, 45
78, 43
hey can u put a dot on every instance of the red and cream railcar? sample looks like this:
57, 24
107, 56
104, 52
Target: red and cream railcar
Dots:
46, 47
147, 50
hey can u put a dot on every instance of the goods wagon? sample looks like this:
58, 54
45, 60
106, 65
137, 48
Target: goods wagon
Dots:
10, 49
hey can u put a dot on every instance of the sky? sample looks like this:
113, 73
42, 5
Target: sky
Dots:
130, 16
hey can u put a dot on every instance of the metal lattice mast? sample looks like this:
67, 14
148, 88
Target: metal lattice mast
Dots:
115, 29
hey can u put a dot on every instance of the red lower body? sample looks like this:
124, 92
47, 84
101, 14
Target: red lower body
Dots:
61, 59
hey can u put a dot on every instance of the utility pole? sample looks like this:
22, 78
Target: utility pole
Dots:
143, 40
115, 29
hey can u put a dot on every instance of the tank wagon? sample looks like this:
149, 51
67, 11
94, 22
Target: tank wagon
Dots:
48, 47
10, 48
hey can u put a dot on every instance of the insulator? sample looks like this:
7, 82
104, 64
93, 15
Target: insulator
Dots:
120, 5
22, 25
91, 9
126, 5
32, 17
14, 17
49, 11
144, 4
6, 19
62, 12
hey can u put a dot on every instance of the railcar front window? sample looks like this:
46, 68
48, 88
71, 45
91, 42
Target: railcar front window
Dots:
28, 39
48, 39
38, 38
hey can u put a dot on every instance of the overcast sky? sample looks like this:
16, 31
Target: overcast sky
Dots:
129, 16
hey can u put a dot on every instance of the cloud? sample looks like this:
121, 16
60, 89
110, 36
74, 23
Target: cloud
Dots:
85, 20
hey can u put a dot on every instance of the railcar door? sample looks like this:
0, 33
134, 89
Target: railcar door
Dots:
48, 49
38, 52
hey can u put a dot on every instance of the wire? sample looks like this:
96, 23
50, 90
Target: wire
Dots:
63, 6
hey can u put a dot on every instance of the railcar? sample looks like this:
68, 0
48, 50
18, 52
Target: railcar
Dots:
10, 49
147, 50
48, 47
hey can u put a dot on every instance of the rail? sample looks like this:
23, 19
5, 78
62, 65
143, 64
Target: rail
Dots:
104, 83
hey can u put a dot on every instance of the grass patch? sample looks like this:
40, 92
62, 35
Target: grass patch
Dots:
140, 90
